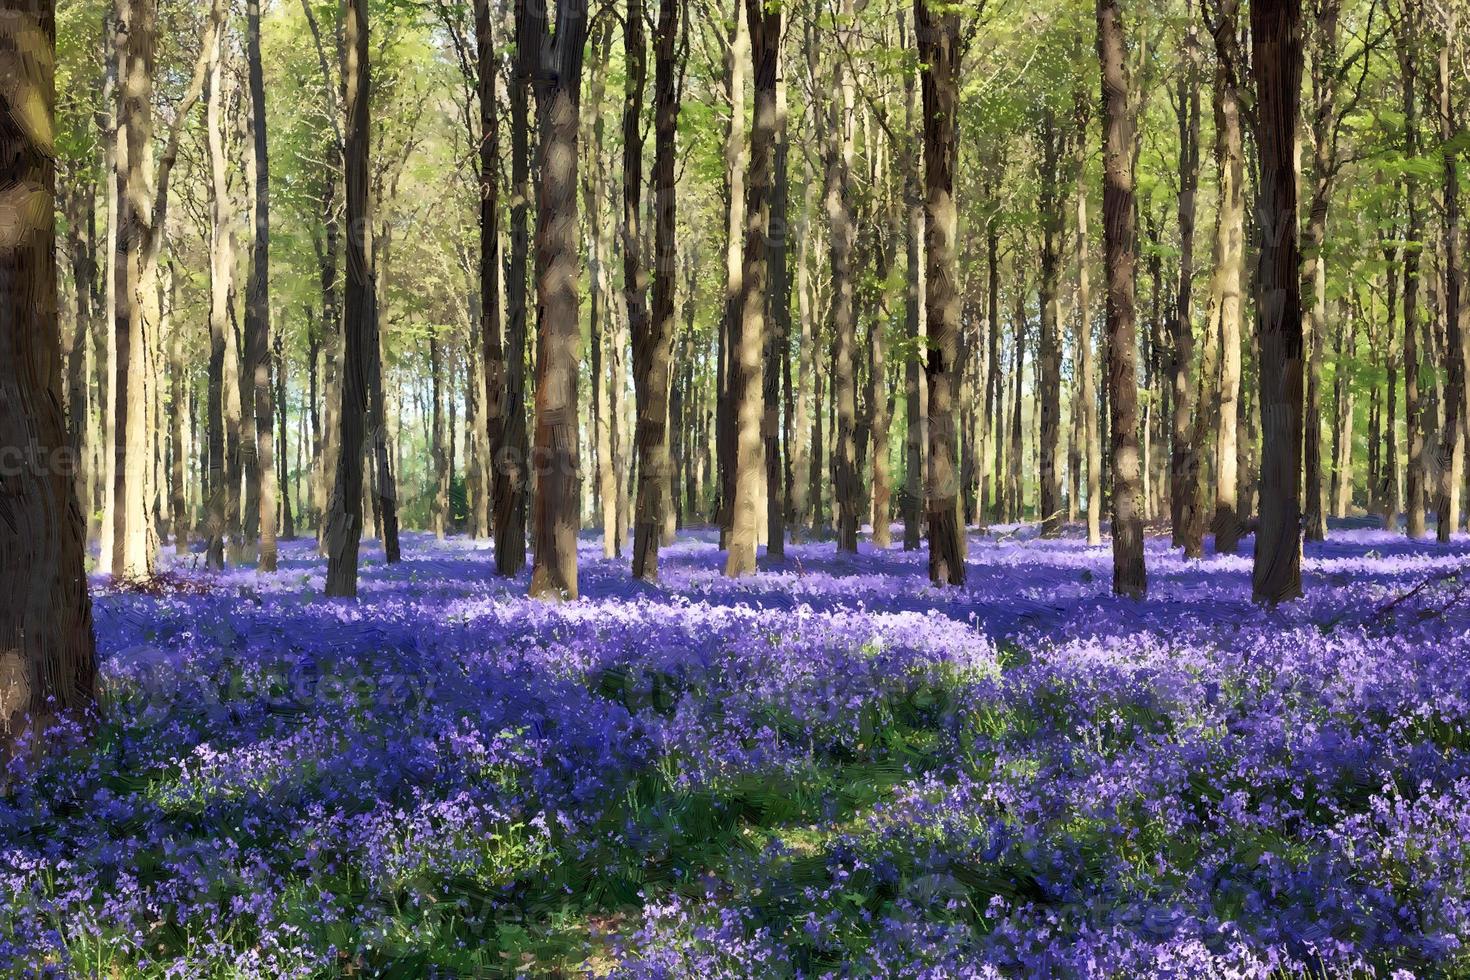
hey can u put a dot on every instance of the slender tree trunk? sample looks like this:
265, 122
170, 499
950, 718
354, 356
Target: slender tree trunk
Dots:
552, 59
916, 392
747, 346
1413, 245
47, 651
737, 58
1451, 449
178, 414
653, 339
439, 511
221, 267
344, 532
1184, 460
132, 551
1086, 365
257, 306
288, 518
1230, 235
492, 341
1277, 64
778, 353
939, 40
512, 462
838, 152
1119, 231
1049, 352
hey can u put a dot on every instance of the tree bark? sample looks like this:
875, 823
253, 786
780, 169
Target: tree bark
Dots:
512, 458
747, 347
1049, 353
1087, 368
344, 532
1407, 36
1277, 65
552, 60
257, 305
1230, 237
916, 407
1119, 232
778, 343
1451, 448
653, 344
1184, 457
938, 40
837, 153
47, 650
492, 343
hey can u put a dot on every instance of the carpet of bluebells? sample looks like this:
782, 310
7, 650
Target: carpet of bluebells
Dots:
831, 769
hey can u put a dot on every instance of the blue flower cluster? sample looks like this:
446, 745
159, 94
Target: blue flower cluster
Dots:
828, 770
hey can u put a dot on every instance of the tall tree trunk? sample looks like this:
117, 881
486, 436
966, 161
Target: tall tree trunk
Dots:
1277, 65
439, 510
344, 532
1119, 233
257, 306
512, 458
221, 271
747, 347
47, 651
916, 408
288, 518
552, 60
939, 41
837, 153
1451, 449
778, 342
1230, 238
653, 336
492, 341
1413, 245
1087, 368
737, 54
1184, 458
132, 551
178, 414
1049, 352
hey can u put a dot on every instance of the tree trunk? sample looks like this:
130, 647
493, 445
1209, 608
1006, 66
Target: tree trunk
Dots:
344, 532
257, 305
916, 392
1277, 65
1413, 245
1230, 238
778, 353
511, 467
837, 152
288, 518
132, 550
1451, 458
493, 346
1129, 577
747, 347
653, 336
939, 41
439, 510
552, 60
1184, 458
178, 414
1087, 368
47, 651
736, 61
1049, 352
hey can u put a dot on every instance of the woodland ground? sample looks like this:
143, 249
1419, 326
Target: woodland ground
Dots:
829, 769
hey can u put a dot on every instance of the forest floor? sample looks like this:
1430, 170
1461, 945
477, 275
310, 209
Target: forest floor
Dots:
828, 769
